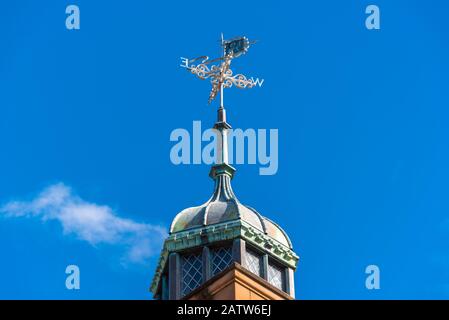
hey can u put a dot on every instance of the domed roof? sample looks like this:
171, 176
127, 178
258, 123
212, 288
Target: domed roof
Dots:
224, 206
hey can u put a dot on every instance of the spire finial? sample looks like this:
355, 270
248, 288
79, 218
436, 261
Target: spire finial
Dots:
221, 77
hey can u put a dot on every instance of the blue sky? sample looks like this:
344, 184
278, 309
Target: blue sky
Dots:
363, 139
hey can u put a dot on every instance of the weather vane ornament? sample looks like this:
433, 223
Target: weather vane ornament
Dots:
220, 75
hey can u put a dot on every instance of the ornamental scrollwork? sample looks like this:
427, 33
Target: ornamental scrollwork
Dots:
221, 76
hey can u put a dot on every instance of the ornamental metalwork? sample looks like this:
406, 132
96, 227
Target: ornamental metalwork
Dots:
220, 75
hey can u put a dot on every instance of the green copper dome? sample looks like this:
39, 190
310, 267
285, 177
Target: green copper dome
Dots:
224, 206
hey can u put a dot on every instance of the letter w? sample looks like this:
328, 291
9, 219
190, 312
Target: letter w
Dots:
258, 82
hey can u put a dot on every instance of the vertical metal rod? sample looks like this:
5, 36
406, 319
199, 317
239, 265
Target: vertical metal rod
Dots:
221, 96
221, 84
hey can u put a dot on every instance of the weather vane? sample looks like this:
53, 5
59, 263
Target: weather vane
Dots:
220, 75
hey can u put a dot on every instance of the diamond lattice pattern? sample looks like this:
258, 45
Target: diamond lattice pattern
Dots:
192, 272
252, 262
221, 258
275, 276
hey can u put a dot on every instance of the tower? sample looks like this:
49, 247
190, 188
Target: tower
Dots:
222, 249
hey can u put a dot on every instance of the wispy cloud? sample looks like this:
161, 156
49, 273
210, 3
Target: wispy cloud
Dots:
96, 224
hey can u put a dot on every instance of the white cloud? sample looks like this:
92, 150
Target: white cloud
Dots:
96, 224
